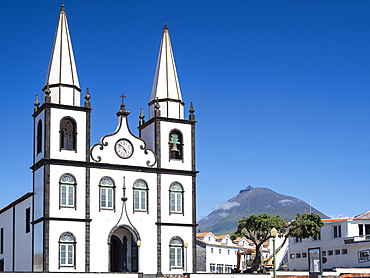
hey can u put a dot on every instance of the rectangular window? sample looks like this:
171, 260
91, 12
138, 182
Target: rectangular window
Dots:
304, 255
337, 231
298, 255
2, 241
212, 250
367, 229
219, 251
330, 252
228, 268
67, 195
220, 268
106, 197
360, 229
337, 251
28, 220
66, 254
176, 257
292, 256
344, 251
212, 268
140, 200
324, 253
297, 239
318, 236
228, 252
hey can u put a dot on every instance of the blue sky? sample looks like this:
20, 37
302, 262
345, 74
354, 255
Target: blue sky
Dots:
280, 89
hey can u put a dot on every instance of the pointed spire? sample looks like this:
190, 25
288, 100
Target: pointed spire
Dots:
62, 72
166, 85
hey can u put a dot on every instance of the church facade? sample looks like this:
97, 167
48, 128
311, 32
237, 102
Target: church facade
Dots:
123, 204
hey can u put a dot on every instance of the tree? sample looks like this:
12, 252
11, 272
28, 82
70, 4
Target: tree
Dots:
257, 228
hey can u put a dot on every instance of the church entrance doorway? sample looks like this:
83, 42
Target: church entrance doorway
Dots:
123, 251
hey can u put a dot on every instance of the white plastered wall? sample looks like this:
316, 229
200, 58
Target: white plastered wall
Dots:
57, 228
147, 134
38, 193
80, 119
6, 222
186, 182
79, 173
104, 221
185, 233
185, 129
23, 240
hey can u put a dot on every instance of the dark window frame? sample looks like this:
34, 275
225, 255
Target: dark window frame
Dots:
60, 243
176, 155
134, 189
113, 208
39, 137
74, 191
182, 199
74, 131
28, 220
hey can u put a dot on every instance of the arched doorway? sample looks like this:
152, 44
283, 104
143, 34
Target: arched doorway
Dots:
123, 251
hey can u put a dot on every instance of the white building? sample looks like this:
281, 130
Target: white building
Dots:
343, 242
126, 204
218, 253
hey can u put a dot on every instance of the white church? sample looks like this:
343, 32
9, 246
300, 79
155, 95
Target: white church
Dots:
123, 204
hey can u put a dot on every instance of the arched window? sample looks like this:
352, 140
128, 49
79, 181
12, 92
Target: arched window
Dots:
176, 198
140, 195
176, 145
107, 193
176, 252
67, 191
68, 134
39, 137
67, 250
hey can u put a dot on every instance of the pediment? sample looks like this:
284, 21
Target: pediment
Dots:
123, 148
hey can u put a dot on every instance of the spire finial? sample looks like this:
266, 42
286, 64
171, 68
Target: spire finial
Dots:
156, 107
191, 111
123, 111
165, 26
47, 93
37, 103
87, 97
141, 117
62, 7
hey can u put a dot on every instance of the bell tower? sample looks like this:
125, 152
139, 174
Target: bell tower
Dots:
173, 139
61, 143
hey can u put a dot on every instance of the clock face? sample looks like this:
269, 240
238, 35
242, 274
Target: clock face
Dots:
124, 148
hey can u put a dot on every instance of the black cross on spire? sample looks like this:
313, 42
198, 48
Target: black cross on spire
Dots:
123, 98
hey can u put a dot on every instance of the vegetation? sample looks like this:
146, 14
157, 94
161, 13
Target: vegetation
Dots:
257, 228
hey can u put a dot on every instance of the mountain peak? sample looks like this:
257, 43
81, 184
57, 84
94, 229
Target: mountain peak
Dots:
248, 188
252, 200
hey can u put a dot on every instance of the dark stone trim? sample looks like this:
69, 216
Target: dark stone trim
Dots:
49, 161
157, 145
87, 225
166, 100
62, 85
60, 106
164, 119
13, 247
176, 224
87, 192
61, 219
47, 133
46, 214
194, 197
